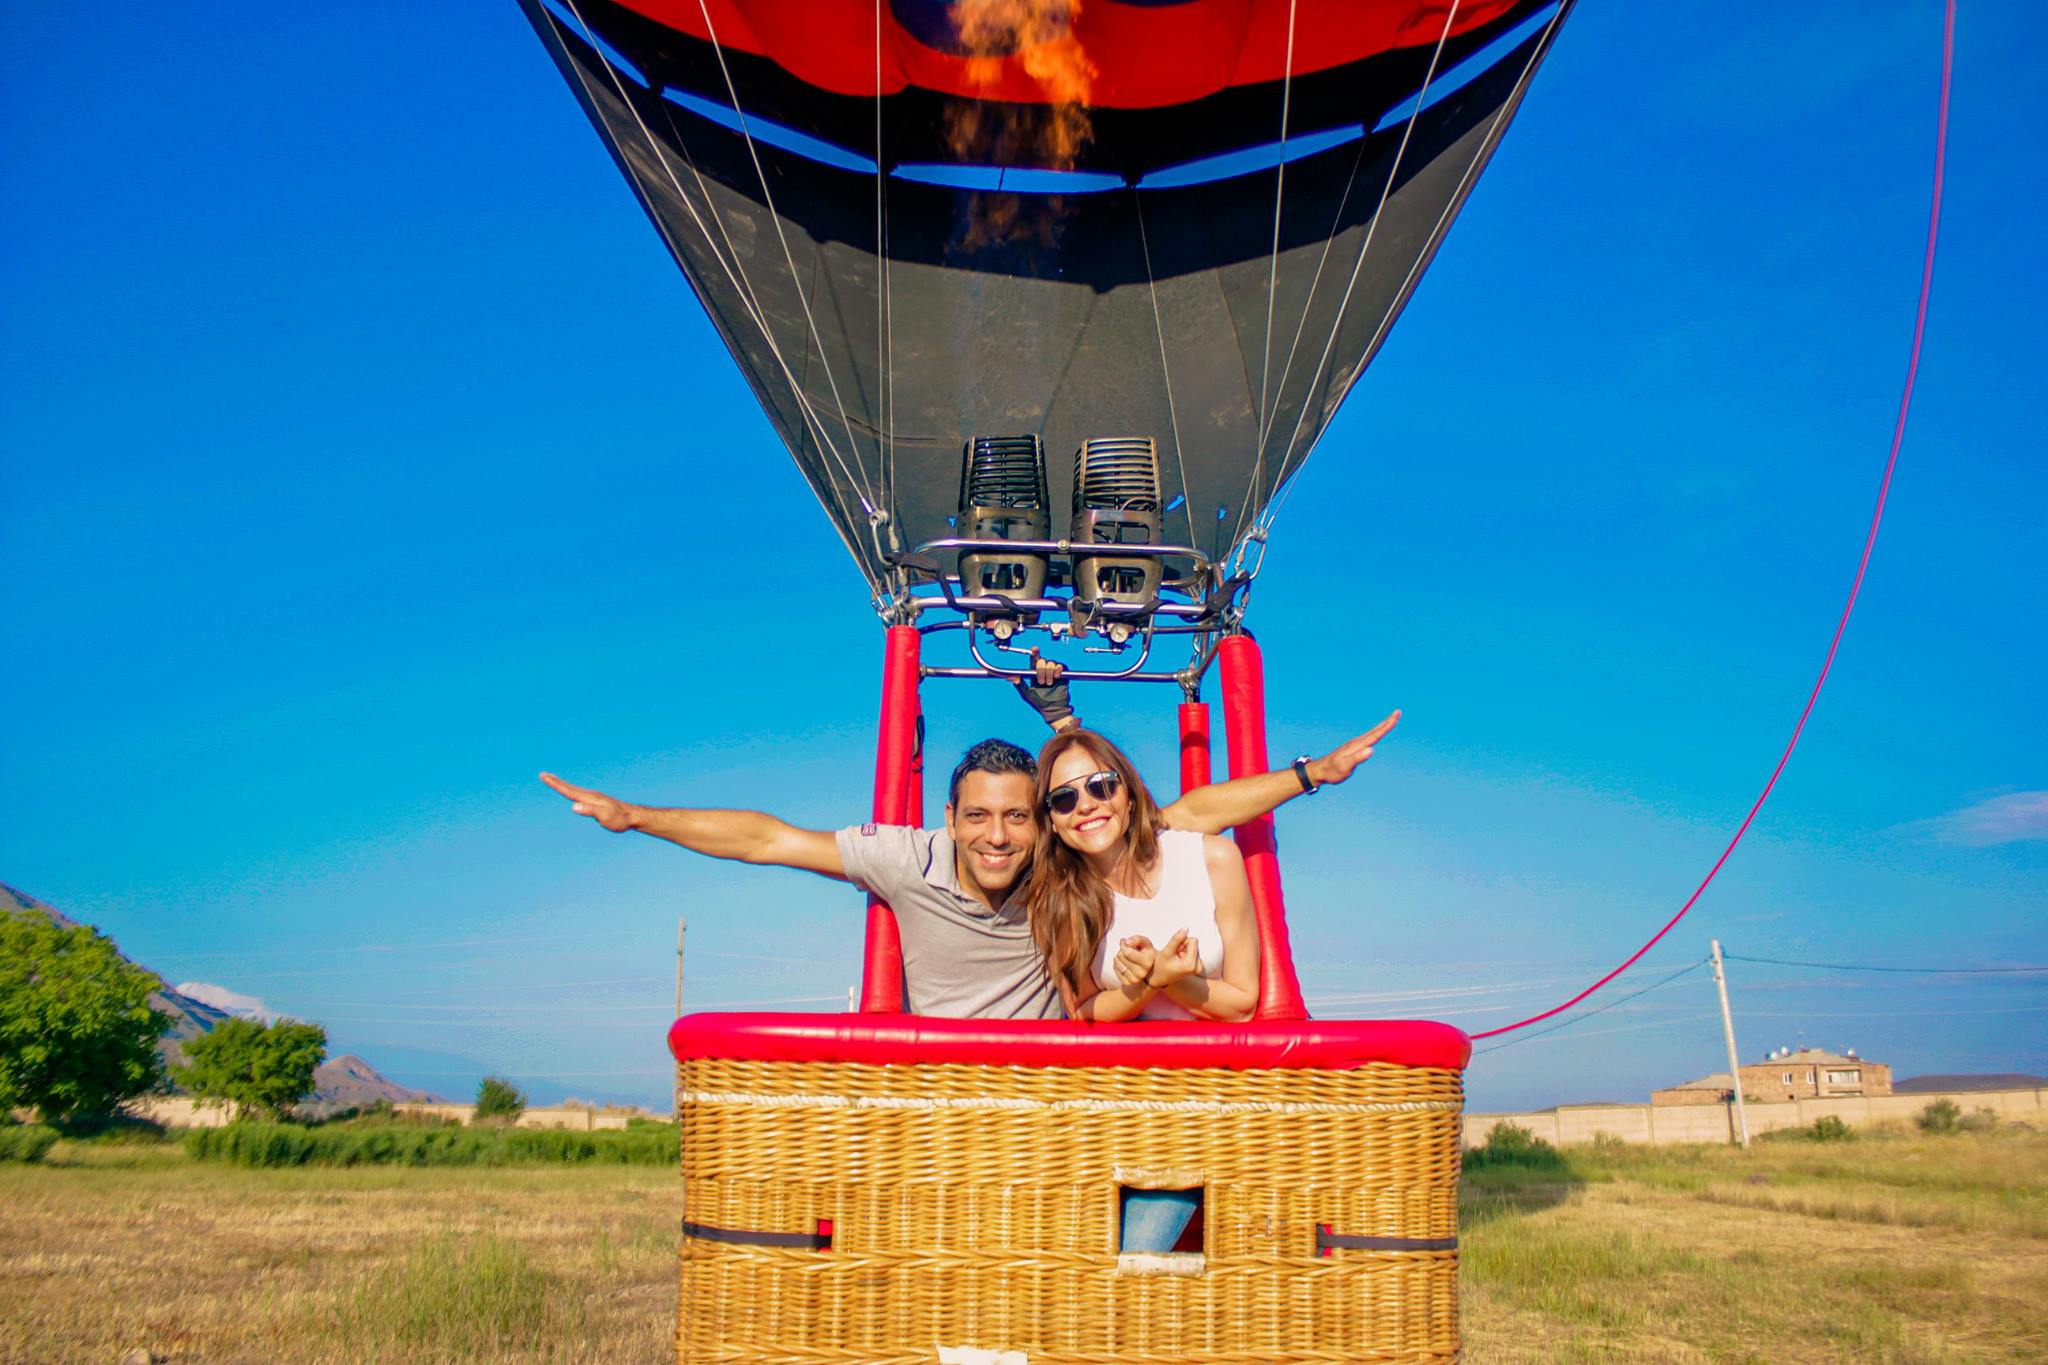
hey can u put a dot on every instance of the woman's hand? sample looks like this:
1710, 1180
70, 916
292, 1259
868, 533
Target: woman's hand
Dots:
1232, 994
615, 815
1134, 960
1181, 957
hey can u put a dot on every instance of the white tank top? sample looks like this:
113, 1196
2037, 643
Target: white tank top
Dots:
1185, 901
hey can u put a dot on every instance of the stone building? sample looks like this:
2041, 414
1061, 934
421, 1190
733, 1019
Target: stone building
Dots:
1807, 1073
1812, 1073
1714, 1089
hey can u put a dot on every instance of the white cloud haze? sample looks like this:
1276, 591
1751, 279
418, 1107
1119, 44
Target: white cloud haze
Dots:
2010, 819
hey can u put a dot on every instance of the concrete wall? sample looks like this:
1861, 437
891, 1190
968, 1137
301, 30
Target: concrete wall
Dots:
577, 1120
178, 1111
1575, 1123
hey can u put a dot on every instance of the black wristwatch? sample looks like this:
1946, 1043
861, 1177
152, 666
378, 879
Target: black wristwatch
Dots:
1308, 788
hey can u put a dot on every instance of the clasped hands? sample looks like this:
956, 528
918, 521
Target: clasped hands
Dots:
1139, 963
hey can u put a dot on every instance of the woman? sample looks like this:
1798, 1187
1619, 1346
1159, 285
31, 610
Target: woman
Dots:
1135, 921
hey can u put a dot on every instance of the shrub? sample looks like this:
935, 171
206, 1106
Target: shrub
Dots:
383, 1114
278, 1144
1827, 1128
113, 1130
1510, 1144
498, 1098
1980, 1120
1940, 1116
26, 1141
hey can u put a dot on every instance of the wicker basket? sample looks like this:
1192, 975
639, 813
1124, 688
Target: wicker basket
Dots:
855, 1211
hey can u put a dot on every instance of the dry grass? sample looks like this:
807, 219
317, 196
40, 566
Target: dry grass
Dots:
1902, 1250
1893, 1249
108, 1249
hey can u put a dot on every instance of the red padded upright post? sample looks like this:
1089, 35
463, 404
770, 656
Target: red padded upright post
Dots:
1243, 676
896, 779
913, 800
1194, 745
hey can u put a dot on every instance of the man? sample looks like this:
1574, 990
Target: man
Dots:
967, 949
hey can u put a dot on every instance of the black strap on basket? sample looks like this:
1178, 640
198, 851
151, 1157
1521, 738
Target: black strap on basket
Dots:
797, 1241
1328, 1241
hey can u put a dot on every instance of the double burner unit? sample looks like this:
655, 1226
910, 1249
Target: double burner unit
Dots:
1111, 582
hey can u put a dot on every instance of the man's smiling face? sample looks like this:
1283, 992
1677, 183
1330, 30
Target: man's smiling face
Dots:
993, 821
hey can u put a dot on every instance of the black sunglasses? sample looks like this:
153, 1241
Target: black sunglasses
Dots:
1101, 786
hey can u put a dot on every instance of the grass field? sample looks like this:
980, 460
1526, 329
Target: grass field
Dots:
1896, 1249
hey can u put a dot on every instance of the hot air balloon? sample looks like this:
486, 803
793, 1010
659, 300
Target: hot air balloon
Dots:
1050, 300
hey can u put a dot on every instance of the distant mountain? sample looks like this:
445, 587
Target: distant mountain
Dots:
351, 1082
344, 1080
1982, 1080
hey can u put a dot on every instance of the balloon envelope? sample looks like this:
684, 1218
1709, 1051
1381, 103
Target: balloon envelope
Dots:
916, 222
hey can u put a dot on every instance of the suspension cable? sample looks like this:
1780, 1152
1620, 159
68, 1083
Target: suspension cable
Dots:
886, 438
734, 272
788, 258
1187, 501
1279, 198
1337, 323
1443, 218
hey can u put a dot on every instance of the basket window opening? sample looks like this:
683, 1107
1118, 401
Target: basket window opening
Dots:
1160, 1221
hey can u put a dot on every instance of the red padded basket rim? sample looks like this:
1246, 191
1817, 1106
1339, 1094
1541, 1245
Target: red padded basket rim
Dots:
911, 1040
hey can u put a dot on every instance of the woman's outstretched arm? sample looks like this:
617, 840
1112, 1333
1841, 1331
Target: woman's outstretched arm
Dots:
1225, 805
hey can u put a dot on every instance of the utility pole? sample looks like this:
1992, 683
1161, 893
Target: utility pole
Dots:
1734, 1059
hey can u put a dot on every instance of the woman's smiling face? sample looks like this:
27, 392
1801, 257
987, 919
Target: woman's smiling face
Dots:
1092, 826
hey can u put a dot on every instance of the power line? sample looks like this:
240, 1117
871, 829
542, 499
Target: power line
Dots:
1865, 967
551, 1011
1892, 1014
1619, 1028
1576, 1018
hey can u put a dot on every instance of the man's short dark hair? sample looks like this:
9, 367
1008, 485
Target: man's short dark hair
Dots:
991, 756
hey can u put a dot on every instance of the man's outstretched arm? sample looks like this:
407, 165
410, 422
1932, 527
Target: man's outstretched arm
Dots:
1225, 805
745, 836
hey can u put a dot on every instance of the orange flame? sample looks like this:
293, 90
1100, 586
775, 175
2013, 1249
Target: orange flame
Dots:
1036, 35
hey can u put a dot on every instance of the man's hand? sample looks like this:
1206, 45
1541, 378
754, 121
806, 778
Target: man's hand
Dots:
614, 814
1047, 693
1345, 759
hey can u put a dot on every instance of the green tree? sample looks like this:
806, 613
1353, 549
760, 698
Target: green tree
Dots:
77, 1032
498, 1098
255, 1066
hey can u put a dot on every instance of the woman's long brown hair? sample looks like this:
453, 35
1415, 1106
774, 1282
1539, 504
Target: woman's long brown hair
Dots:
1068, 904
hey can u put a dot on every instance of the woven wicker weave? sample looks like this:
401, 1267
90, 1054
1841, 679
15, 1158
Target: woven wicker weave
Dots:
976, 1207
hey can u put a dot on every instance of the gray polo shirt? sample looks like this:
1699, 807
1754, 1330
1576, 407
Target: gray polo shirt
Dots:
961, 960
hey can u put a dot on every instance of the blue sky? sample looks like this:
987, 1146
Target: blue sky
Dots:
350, 413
